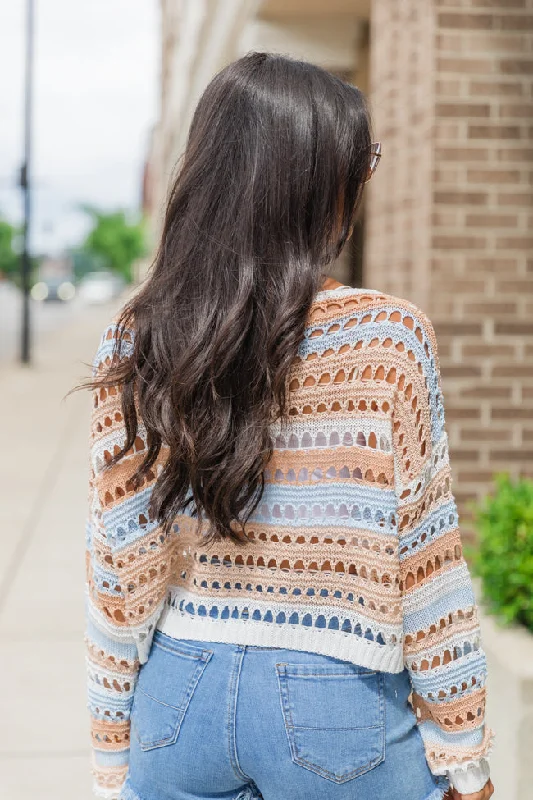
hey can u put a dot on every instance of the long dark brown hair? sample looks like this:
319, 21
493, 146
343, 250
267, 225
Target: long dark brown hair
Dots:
265, 197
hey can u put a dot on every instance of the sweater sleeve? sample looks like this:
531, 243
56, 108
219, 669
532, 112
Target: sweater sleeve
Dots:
442, 646
112, 657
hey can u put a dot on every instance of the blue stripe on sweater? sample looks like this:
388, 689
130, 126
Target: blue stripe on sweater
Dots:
440, 521
362, 507
100, 698
110, 758
453, 674
120, 649
432, 733
444, 594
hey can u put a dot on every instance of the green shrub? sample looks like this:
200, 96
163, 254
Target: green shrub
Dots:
504, 556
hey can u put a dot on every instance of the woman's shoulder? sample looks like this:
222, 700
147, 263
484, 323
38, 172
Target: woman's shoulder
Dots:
116, 339
349, 308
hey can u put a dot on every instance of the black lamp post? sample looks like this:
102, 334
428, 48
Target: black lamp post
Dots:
25, 263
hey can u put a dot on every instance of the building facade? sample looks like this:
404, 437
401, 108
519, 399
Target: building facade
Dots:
447, 219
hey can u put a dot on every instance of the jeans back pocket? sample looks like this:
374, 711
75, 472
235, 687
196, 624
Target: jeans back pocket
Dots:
334, 717
165, 686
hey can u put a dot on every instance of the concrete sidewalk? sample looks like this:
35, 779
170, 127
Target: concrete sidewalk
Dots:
44, 737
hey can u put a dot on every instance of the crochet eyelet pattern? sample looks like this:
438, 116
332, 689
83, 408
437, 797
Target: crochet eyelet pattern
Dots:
354, 550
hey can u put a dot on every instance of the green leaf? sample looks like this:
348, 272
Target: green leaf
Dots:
503, 558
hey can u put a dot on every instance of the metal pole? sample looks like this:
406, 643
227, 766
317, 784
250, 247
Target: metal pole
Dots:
25, 265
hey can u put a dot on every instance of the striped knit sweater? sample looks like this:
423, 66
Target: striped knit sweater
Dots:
354, 549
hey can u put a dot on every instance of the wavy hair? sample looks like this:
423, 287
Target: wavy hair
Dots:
265, 198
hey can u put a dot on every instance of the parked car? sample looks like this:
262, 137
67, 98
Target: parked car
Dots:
100, 287
53, 288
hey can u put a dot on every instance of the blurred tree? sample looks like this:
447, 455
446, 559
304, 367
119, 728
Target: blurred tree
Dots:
115, 240
84, 262
9, 259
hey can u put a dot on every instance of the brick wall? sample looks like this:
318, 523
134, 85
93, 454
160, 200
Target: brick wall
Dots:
450, 211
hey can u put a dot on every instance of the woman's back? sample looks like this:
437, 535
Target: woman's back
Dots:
354, 549
323, 555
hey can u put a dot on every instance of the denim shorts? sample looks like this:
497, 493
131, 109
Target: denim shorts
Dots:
211, 720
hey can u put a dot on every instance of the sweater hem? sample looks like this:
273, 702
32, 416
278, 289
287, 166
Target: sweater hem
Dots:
336, 644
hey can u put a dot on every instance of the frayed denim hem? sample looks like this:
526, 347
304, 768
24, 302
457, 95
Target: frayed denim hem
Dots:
128, 793
443, 784
248, 793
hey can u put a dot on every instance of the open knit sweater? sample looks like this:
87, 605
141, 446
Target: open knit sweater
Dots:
354, 548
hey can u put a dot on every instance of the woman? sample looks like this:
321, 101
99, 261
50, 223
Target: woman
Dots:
273, 559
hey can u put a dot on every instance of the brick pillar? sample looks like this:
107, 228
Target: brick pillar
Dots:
450, 210
398, 210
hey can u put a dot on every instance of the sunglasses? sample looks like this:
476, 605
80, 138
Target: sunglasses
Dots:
375, 155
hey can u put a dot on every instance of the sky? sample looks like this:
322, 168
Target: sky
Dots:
95, 101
